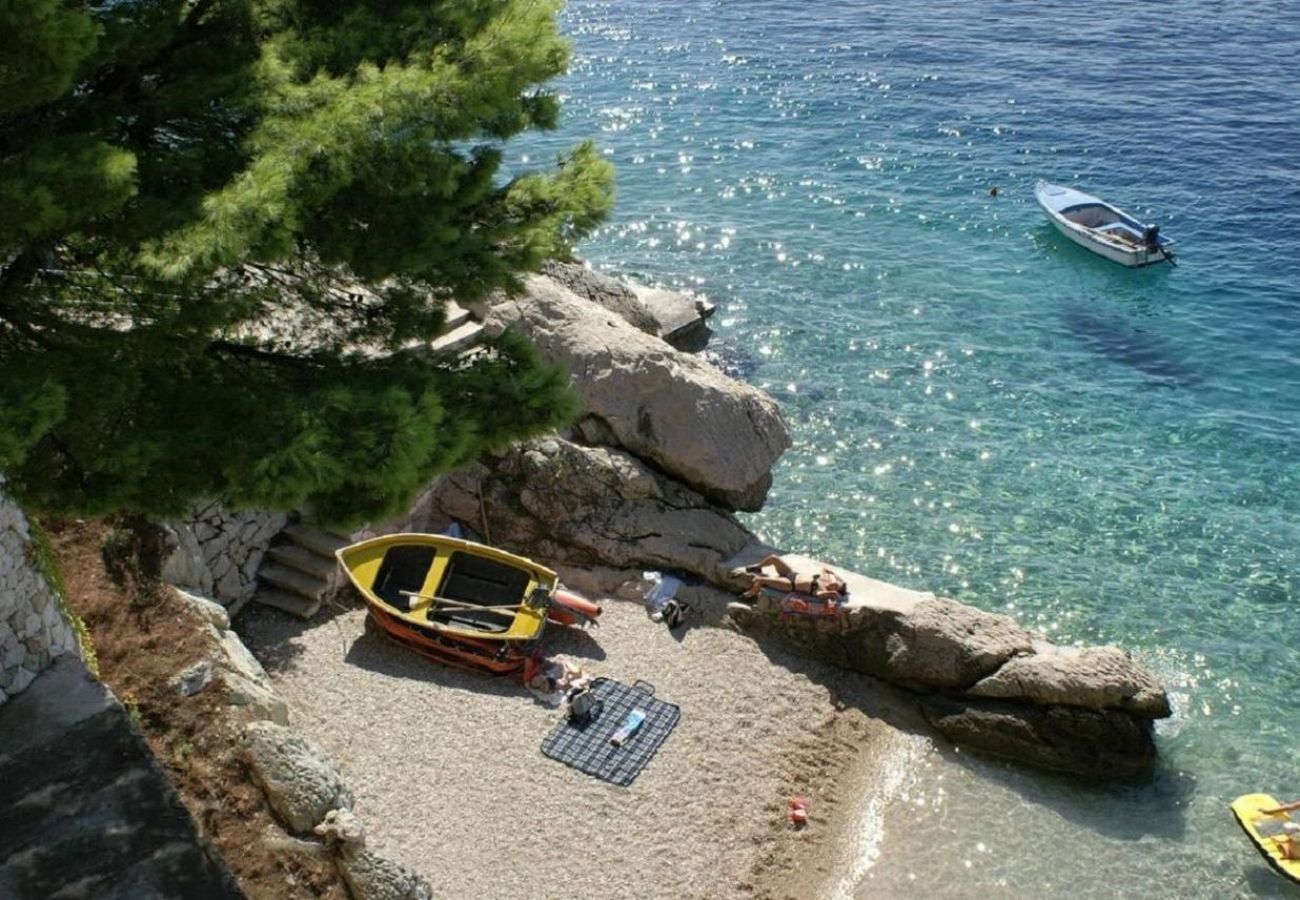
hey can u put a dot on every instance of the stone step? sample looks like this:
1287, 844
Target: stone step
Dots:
459, 338
322, 543
456, 314
293, 604
304, 560
293, 581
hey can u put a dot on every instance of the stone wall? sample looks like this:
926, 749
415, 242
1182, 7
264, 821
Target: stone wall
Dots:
33, 631
219, 551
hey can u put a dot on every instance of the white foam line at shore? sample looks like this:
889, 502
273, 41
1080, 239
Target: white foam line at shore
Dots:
869, 826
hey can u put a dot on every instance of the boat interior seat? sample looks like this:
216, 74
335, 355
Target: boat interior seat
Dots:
475, 579
486, 621
403, 569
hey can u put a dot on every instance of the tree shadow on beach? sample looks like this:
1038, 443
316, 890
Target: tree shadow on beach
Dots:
270, 633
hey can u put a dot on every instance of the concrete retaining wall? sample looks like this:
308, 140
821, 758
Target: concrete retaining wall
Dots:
33, 631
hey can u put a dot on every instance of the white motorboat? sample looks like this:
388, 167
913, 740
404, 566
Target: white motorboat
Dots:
1104, 229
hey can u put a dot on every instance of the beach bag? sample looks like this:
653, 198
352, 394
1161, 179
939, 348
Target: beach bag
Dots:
582, 705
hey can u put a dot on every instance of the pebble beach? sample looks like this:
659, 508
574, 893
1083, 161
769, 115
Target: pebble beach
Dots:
450, 779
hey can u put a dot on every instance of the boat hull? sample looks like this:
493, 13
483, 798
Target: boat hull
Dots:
1248, 810
505, 659
1134, 259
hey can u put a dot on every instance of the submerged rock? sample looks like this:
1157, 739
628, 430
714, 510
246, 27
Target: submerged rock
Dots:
1095, 743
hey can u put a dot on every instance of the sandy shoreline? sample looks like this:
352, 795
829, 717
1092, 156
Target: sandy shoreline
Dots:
450, 780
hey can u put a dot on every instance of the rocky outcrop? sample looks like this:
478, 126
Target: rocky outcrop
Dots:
301, 785
666, 446
580, 505
308, 794
985, 682
1096, 677
1095, 743
681, 320
675, 411
608, 293
248, 687
946, 644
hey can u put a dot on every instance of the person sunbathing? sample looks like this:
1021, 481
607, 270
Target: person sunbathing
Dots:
1289, 841
825, 585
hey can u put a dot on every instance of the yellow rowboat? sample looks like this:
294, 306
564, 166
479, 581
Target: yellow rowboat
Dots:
462, 603
1265, 831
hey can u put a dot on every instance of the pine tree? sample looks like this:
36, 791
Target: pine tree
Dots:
179, 176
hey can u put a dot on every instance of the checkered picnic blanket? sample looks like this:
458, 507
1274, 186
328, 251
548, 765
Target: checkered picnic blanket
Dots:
585, 745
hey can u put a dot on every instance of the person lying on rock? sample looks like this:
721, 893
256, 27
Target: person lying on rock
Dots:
825, 585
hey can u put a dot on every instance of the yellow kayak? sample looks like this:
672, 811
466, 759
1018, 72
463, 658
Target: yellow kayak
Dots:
1265, 830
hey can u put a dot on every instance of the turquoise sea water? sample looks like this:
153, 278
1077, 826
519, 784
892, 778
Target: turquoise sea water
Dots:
980, 408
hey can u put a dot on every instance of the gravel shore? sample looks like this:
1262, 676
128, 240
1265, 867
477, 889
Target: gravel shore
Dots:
449, 778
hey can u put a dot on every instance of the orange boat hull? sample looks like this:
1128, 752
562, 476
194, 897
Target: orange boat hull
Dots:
490, 657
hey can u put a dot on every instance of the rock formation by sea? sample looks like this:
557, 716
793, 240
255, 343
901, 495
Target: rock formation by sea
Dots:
664, 453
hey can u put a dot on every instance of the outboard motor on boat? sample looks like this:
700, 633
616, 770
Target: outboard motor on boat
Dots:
1151, 238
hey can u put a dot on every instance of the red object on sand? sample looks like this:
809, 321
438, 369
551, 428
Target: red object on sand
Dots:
799, 812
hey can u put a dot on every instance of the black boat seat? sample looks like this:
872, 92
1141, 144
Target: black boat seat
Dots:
403, 569
474, 579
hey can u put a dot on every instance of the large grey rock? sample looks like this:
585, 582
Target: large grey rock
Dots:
682, 318
301, 785
566, 503
192, 679
1095, 677
208, 609
679, 413
233, 656
185, 566
86, 810
254, 701
605, 291
371, 877
946, 644
1095, 743
986, 684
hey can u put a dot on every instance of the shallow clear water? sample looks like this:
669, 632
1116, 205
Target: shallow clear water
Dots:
982, 409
